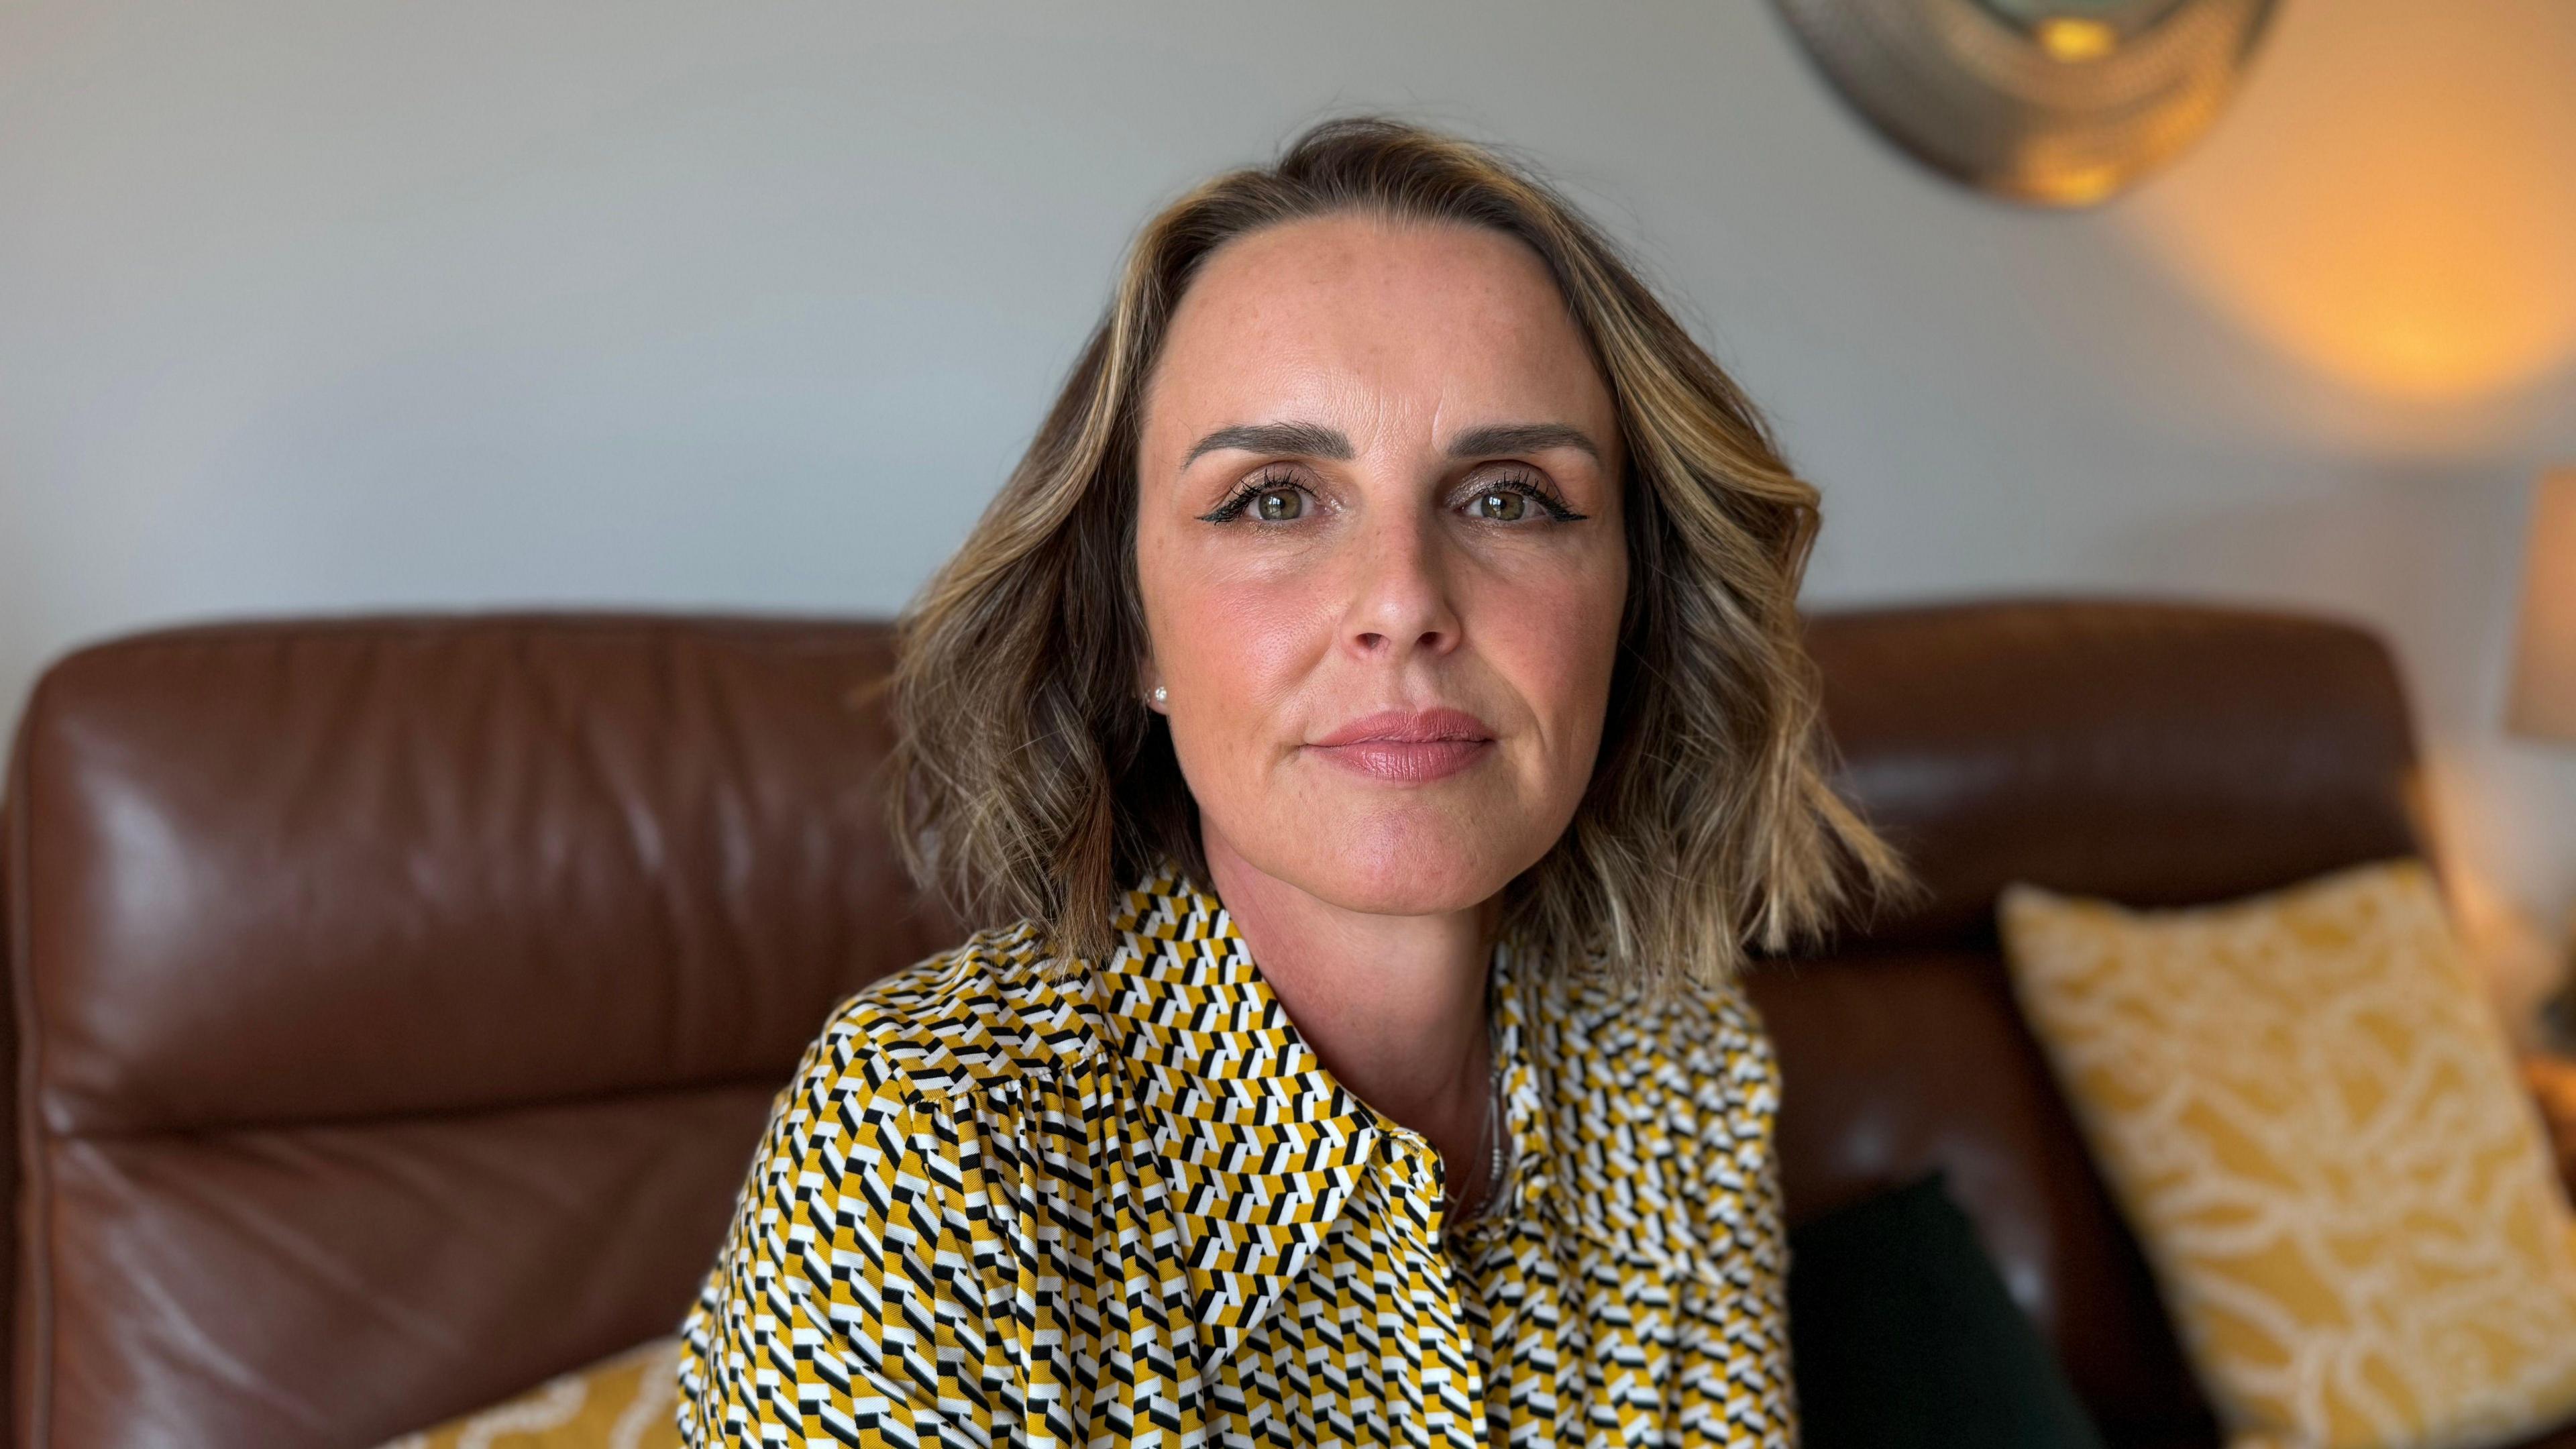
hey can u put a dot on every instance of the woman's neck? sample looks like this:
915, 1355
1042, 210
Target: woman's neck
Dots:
1393, 1006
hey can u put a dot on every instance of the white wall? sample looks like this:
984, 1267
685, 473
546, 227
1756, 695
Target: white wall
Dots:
341, 306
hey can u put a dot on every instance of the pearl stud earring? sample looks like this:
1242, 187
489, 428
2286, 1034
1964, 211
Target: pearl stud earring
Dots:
1161, 695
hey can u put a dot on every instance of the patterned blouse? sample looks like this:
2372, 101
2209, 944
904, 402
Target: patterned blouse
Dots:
1133, 1208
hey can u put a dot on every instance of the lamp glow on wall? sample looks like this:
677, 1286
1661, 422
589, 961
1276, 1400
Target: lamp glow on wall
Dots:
2543, 704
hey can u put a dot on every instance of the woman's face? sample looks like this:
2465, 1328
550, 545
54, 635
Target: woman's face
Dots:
1382, 558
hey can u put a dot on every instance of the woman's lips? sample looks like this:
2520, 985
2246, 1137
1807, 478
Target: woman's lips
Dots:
1406, 761
1406, 746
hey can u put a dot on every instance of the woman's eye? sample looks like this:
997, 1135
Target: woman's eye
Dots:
1277, 501
1518, 500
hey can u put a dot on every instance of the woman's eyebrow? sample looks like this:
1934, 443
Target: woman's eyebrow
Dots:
1314, 440
1521, 438
1304, 440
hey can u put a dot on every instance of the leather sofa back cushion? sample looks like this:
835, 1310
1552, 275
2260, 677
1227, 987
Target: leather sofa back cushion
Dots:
403, 999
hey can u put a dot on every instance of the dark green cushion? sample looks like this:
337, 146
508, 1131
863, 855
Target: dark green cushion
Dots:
1903, 1336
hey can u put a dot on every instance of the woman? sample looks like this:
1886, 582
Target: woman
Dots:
1375, 707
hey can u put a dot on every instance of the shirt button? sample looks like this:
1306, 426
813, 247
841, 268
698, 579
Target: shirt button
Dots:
1414, 1166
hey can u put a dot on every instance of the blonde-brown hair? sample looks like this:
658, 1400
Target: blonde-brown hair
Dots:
1030, 782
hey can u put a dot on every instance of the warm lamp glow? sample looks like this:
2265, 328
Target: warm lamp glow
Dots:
2388, 200
2544, 670
2072, 38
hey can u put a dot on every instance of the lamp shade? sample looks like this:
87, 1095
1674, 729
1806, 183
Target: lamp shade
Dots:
2544, 667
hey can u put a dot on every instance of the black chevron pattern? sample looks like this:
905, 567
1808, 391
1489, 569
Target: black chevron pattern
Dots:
1002, 1202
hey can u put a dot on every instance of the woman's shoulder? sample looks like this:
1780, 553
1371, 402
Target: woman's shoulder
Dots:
1708, 1029
1625, 1057
1731, 1045
990, 1010
1666, 1102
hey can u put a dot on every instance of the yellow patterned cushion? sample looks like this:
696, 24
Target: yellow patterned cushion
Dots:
2316, 1128
626, 1402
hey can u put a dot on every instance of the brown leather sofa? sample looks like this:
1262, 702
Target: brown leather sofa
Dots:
395, 1001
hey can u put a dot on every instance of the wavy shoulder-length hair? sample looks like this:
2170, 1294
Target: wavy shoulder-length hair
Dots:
1031, 782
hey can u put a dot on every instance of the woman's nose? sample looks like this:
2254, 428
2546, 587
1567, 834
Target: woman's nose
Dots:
1400, 598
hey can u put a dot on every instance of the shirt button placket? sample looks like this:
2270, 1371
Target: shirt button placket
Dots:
1447, 1334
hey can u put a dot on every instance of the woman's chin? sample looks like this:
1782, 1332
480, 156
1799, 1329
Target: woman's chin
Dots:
1401, 867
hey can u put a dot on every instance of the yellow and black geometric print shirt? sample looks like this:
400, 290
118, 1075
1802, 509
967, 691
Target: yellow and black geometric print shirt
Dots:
1133, 1209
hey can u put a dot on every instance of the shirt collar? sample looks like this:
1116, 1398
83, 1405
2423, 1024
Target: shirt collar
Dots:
1255, 1149
1261, 1145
